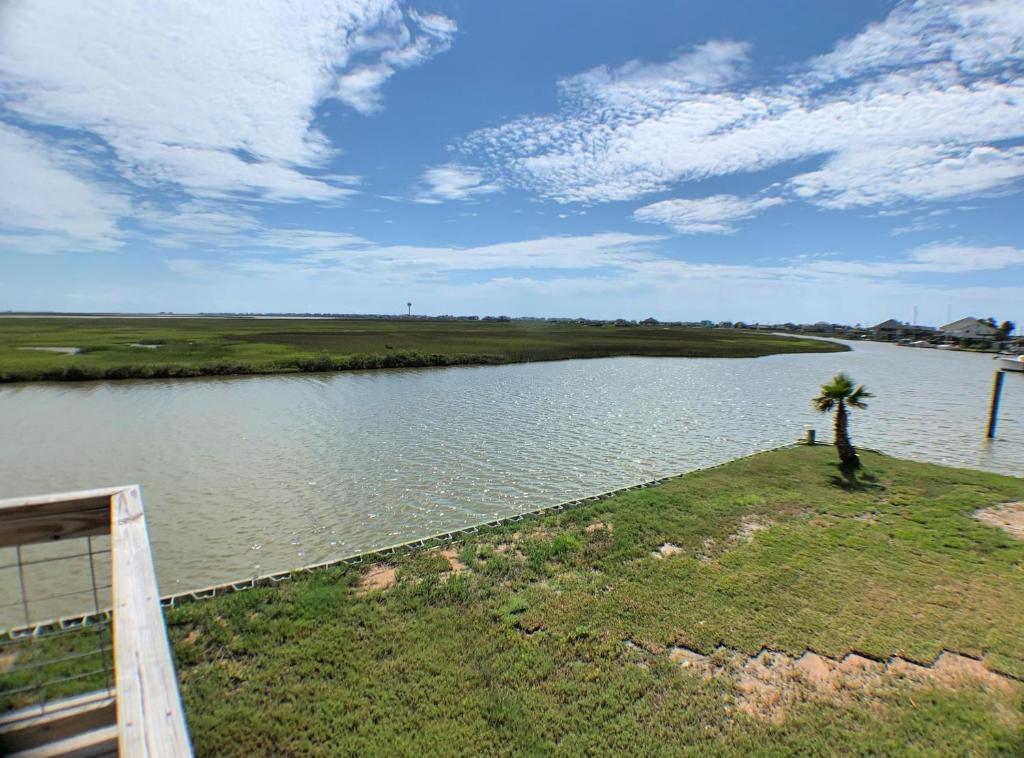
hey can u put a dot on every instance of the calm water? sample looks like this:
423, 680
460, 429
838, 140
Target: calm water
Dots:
252, 475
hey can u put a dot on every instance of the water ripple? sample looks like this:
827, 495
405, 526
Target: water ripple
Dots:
251, 475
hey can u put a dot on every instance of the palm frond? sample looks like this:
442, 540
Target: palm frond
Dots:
824, 403
838, 391
839, 388
858, 396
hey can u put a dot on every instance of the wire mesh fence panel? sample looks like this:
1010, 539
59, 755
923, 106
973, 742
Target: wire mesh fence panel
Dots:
55, 624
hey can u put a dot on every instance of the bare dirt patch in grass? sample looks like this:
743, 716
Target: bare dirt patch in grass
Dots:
510, 550
7, 662
749, 526
1009, 517
710, 548
952, 670
455, 566
666, 549
769, 683
707, 550
379, 577
451, 555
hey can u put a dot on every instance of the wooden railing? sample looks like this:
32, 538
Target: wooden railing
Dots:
142, 715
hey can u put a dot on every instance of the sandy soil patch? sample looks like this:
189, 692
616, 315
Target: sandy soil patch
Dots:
711, 549
451, 555
707, 550
667, 549
749, 526
952, 670
1009, 517
7, 662
510, 550
379, 577
455, 566
768, 683
58, 350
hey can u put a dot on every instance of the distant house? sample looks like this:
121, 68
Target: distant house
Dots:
969, 329
889, 330
895, 330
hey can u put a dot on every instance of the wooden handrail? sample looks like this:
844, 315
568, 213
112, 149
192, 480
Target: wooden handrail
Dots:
150, 716
45, 518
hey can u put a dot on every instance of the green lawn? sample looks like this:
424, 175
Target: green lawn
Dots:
211, 346
556, 638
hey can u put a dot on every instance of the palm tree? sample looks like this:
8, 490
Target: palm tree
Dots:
839, 394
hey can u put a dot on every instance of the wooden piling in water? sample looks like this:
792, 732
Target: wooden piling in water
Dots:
993, 411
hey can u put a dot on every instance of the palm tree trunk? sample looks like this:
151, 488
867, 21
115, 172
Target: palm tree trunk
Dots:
847, 453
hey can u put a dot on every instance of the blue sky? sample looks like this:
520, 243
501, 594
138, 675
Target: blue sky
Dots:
725, 160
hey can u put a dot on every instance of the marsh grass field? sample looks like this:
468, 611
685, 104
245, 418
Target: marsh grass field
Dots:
126, 348
639, 625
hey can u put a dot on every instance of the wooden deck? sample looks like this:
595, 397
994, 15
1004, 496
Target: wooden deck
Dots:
143, 716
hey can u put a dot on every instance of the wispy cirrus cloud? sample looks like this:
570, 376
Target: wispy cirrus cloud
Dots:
922, 173
934, 258
50, 203
623, 271
324, 253
453, 181
918, 106
216, 102
397, 45
216, 98
707, 215
617, 254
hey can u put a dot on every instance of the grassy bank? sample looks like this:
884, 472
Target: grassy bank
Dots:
558, 634
636, 625
113, 348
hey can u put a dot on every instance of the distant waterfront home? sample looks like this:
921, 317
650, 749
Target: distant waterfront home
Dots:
969, 329
889, 330
896, 330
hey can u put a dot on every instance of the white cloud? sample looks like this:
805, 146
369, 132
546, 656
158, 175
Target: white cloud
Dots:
710, 66
323, 252
452, 181
956, 258
191, 268
46, 202
936, 82
398, 47
194, 223
925, 173
307, 240
635, 258
361, 87
218, 98
975, 36
605, 275
708, 215
934, 258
